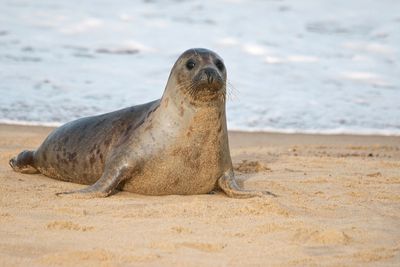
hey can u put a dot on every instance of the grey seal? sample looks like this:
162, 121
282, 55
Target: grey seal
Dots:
174, 145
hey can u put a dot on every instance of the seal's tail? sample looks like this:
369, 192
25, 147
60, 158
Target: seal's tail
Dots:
24, 162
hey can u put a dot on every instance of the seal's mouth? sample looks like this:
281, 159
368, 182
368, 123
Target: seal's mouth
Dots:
207, 84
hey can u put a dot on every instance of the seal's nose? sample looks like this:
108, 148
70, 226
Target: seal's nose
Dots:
211, 74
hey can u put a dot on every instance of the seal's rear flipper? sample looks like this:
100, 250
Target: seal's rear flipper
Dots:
24, 162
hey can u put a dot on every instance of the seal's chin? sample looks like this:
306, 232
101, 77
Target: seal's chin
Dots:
206, 92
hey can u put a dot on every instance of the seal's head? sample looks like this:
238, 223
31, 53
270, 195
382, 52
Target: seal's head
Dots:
200, 74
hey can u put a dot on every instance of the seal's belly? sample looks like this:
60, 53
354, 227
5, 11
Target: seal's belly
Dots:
177, 182
182, 172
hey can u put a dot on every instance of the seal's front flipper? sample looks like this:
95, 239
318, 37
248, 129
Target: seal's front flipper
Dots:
105, 186
228, 184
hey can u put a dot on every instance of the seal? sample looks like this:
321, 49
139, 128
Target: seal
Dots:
175, 145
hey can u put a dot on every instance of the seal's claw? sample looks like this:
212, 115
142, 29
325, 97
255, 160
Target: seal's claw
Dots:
228, 184
12, 162
85, 193
267, 193
241, 193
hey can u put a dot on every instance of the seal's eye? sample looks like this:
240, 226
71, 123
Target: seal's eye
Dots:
190, 64
219, 65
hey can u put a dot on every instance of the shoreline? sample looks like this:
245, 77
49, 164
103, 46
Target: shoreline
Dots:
338, 205
388, 139
335, 132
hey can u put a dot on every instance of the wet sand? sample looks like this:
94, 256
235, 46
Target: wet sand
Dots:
338, 204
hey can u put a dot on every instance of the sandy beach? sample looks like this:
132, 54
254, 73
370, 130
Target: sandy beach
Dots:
338, 204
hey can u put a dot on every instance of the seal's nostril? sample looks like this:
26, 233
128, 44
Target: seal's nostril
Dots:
210, 74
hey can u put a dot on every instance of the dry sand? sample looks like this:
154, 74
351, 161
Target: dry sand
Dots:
338, 205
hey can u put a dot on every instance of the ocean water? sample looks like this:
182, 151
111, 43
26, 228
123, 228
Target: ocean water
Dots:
293, 66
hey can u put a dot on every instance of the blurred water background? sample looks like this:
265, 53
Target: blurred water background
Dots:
295, 66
